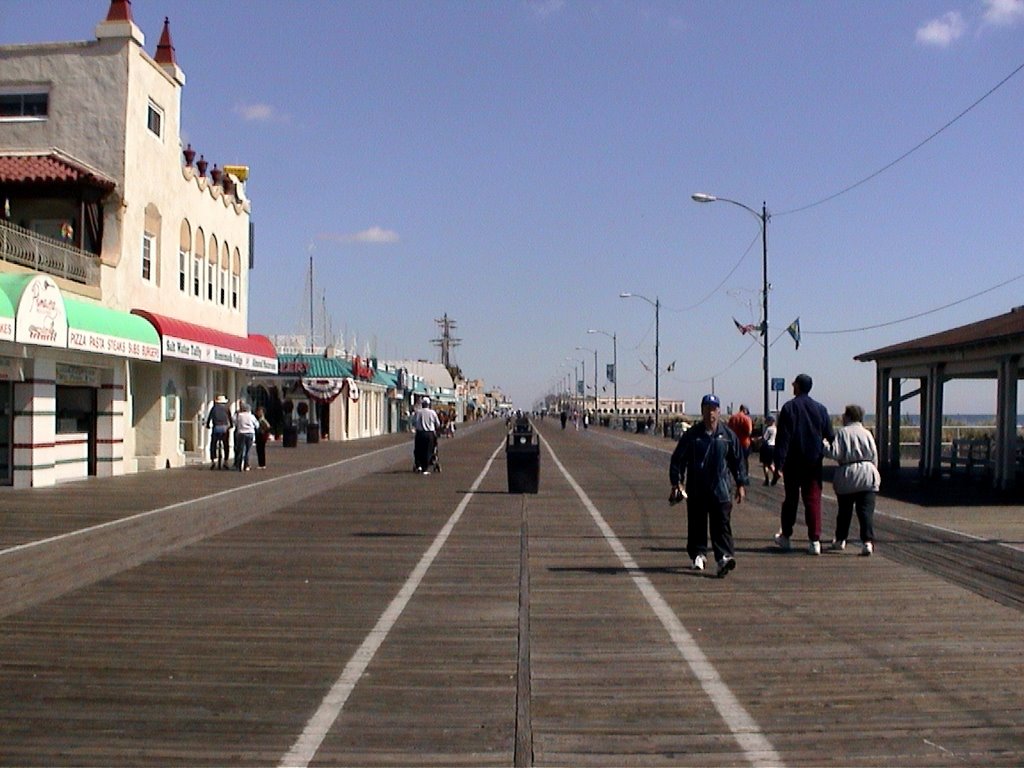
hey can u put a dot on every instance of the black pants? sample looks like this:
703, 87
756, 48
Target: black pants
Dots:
864, 502
261, 449
423, 449
702, 512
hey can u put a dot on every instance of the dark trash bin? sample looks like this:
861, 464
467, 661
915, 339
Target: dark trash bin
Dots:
522, 455
290, 437
312, 433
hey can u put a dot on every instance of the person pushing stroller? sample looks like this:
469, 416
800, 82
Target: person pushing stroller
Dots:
426, 424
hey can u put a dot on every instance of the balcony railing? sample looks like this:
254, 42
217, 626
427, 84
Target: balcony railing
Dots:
45, 254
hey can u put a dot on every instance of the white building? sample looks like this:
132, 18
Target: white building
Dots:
123, 265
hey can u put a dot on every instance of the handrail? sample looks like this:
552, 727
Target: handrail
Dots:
46, 254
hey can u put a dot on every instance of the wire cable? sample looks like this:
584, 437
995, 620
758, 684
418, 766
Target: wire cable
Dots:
915, 316
906, 154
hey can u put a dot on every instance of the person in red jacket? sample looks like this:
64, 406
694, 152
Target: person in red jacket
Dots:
741, 423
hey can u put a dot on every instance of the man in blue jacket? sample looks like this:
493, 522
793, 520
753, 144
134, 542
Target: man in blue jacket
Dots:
704, 458
803, 425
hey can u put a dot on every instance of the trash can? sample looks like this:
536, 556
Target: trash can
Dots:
522, 455
312, 433
290, 437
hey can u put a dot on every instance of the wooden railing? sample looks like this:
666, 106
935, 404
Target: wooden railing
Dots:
45, 254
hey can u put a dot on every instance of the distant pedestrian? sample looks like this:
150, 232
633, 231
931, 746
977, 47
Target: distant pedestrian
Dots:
741, 424
246, 426
702, 462
856, 480
564, 416
803, 424
766, 450
218, 420
262, 437
426, 423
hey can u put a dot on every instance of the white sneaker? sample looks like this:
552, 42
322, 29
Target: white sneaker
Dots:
699, 562
867, 549
782, 542
837, 546
725, 565
814, 548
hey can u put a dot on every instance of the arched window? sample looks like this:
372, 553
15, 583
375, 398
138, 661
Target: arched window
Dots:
236, 279
211, 269
151, 245
225, 267
198, 259
184, 255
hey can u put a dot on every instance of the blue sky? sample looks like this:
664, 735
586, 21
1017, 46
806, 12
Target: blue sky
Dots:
517, 165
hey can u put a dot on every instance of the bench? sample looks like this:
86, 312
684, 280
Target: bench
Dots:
970, 456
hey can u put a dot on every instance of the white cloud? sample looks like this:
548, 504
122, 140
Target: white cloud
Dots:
545, 8
1003, 12
255, 112
943, 31
373, 236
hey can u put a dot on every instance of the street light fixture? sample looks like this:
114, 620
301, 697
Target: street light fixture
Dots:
615, 366
588, 349
700, 197
657, 344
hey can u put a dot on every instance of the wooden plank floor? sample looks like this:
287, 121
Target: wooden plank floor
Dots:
219, 651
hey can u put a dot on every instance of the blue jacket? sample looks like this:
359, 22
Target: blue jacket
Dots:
803, 424
705, 462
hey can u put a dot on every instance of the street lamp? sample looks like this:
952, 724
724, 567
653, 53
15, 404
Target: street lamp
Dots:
763, 216
615, 365
587, 349
657, 344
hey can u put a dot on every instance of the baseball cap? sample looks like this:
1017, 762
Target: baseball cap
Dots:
711, 400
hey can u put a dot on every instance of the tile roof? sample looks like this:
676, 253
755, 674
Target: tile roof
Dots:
49, 168
1008, 327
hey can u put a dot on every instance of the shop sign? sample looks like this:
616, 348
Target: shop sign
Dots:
104, 344
186, 349
77, 375
6, 329
41, 317
11, 370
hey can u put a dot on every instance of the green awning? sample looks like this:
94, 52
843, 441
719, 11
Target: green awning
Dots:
11, 286
313, 367
95, 328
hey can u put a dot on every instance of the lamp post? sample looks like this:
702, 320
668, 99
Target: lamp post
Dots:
657, 344
587, 349
763, 216
615, 366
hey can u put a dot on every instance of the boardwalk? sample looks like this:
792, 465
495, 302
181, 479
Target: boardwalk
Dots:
338, 609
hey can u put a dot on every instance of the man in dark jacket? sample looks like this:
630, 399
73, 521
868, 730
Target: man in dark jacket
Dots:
704, 458
802, 427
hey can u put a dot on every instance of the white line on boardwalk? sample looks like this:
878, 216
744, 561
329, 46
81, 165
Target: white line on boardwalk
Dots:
305, 749
754, 744
186, 502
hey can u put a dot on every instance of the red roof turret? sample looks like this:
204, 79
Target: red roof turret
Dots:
165, 48
120, 10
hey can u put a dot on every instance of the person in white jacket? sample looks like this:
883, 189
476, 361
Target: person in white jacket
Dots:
856, 480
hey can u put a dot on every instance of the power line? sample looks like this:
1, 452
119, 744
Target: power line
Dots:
906, 154
919, 314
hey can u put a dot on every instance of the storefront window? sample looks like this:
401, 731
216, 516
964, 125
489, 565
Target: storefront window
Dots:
76, 409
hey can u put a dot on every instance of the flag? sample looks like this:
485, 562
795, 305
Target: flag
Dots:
794, 330
609, 372
745, 329
671, 366
579, 387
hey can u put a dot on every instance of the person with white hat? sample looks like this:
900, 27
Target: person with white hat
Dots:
426, 423
705, 457
219, 418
